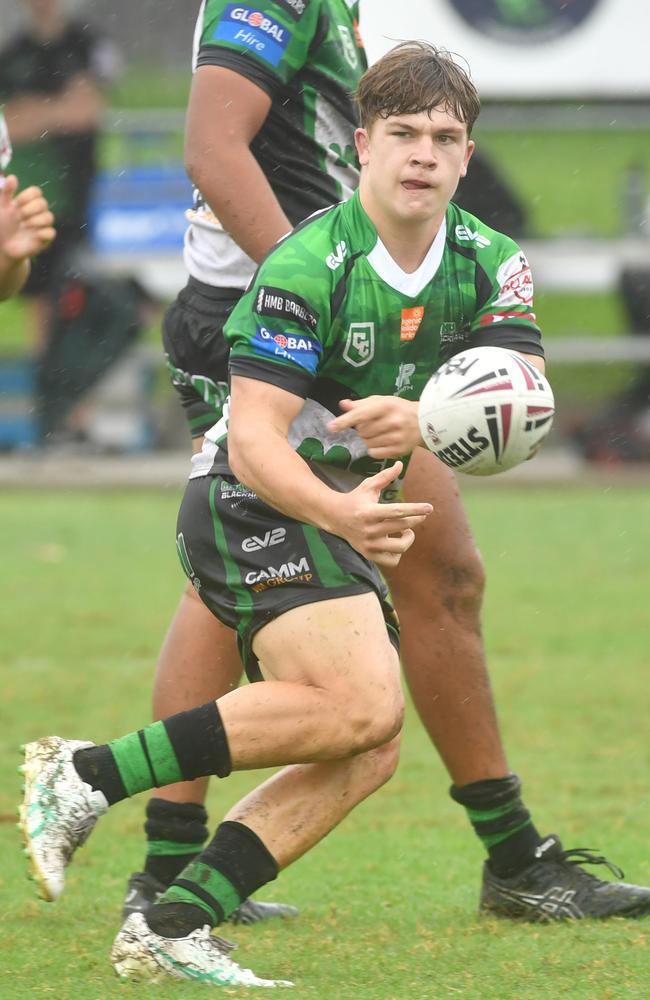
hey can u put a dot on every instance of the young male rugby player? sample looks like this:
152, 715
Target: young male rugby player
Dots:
282, 529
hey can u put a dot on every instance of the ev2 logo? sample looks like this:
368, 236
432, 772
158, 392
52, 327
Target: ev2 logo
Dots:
469, 235
360, 345
333, 260
255, 542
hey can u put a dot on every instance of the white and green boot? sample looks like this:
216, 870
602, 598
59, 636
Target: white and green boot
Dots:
201, 957
58, 812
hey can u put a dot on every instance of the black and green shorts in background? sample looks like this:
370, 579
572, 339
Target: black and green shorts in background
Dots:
249, 563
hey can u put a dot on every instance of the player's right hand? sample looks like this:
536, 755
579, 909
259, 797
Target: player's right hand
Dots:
382, 532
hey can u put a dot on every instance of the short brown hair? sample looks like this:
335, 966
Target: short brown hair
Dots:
415, 77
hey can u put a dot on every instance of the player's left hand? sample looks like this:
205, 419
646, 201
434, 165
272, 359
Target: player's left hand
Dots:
388, 425
26, 222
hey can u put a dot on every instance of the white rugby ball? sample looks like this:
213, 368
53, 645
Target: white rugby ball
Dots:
485, 410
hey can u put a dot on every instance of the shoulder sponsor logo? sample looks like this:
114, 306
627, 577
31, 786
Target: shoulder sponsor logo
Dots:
360, 344
411, 319
294, 8
254, 31
278, 302
472, 236
336, 258
515, 282
303, 351
275, 536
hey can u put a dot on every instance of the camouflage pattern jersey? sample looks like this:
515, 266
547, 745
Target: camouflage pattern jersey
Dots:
330, 315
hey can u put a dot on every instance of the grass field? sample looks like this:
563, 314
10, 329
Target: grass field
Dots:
388, 901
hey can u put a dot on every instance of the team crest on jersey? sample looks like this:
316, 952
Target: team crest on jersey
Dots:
360, 345
259, 34
294, 8
349, 46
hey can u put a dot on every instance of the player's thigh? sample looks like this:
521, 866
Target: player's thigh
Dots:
250, 564
197, 352
340, 645
444, 551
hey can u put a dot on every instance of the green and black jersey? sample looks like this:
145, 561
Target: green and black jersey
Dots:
330, 316
307, 56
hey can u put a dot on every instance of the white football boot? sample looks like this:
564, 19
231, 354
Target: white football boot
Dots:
139, 954
59, 810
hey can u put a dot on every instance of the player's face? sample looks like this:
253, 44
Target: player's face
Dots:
412, 165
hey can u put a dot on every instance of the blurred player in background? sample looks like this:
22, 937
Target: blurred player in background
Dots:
26, 224
53, 76
269, 139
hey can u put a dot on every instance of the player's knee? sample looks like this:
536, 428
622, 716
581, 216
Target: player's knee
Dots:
375, 722
385, 760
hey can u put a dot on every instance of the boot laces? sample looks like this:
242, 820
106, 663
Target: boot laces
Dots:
587, 856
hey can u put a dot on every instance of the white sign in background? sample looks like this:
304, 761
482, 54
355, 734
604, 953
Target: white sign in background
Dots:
604, 57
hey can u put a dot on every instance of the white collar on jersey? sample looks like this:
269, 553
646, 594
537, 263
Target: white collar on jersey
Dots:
408, 284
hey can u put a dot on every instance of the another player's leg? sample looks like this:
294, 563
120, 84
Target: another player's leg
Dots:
438, 589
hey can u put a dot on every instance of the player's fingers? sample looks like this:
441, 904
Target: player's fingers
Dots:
390, 552
397, 511
385, 476
43, 220
29, 194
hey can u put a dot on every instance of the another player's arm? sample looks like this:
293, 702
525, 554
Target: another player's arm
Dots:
225, 113
76, 108
261, 457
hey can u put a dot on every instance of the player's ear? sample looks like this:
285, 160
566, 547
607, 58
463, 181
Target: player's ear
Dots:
468, 156
362, 142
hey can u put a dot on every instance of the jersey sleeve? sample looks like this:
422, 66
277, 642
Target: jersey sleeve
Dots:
505, 316
275, 333
267, 43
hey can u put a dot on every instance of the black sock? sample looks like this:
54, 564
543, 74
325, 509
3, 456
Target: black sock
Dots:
233, 866
183, 747
176, 832
501, 821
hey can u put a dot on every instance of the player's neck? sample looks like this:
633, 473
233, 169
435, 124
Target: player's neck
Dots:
407, 245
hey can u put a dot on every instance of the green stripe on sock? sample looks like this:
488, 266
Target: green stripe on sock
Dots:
132, 763
177, 894
213, 883
162, 756
164, 848
497, 838
485, 815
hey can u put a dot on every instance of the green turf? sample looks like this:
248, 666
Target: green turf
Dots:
388, 901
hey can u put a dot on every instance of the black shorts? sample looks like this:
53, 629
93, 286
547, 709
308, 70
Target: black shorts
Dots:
196, 351
249, 563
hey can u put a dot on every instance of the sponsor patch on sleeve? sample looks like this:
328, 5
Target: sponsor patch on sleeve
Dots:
258, 34
515, 282
302, 351
277, 302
